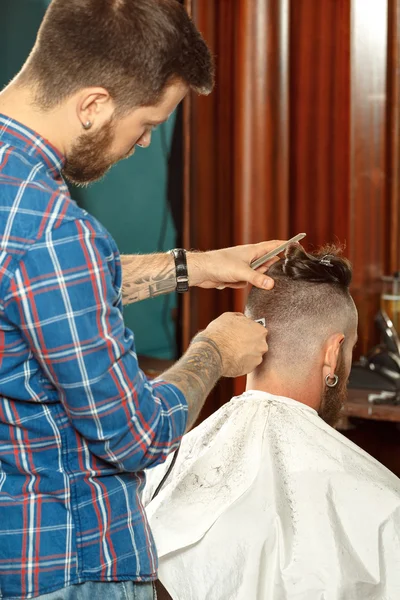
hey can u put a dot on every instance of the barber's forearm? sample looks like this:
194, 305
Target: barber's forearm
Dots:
151, 275
147, 276
196, 373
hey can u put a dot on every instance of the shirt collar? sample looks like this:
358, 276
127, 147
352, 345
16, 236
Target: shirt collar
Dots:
18, 135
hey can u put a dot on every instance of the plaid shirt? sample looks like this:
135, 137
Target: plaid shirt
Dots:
79, 421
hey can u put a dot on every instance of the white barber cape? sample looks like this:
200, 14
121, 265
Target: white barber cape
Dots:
267, 502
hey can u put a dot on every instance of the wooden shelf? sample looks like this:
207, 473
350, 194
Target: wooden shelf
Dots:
357, 405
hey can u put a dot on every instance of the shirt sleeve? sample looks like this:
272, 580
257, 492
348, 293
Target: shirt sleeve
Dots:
64, 299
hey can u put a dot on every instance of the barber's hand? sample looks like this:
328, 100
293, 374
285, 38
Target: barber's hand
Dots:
241, 342
230, 267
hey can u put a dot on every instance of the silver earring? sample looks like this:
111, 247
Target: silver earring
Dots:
87, 125
331, 380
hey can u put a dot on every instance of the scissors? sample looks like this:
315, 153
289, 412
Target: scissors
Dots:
261, 321
260, 261
263, 259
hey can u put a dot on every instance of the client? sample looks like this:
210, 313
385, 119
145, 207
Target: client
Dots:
267, 501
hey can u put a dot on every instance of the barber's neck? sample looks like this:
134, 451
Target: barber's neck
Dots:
304, 387
17, 102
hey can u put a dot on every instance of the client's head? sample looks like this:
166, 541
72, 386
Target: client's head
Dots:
312, 324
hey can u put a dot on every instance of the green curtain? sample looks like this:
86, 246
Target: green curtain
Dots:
131, 201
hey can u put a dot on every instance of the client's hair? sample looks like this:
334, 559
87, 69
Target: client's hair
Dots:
310, 301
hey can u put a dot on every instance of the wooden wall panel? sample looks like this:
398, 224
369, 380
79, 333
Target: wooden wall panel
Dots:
393, 135
319, 119
261, 120
369, 209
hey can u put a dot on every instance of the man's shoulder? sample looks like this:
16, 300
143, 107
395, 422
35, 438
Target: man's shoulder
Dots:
33, 202
34, 206
300, 438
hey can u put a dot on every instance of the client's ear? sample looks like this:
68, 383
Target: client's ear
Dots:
332, 349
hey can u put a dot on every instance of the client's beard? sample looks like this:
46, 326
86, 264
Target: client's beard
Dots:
90, 158
334, 398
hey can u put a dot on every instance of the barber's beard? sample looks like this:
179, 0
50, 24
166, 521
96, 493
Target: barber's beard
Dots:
334, 398
90, 159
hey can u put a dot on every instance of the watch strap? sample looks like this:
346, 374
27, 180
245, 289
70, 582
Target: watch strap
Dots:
182, 277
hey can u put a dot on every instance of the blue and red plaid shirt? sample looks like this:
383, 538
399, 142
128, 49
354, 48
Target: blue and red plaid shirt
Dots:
79, 421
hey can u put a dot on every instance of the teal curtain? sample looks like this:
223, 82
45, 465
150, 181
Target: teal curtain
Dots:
131, 201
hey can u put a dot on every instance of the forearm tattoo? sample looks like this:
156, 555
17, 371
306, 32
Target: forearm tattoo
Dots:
196, 374
151, 285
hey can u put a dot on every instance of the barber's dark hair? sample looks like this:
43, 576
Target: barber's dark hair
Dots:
310, 298
133, 48
324, 266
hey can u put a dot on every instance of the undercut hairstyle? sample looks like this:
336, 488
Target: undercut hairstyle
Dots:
309, 302
132, 48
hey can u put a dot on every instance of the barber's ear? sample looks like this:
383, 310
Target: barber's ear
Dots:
332, 349
94, 105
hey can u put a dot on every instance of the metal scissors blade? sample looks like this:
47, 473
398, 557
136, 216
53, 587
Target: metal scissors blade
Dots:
263, 259
262, 322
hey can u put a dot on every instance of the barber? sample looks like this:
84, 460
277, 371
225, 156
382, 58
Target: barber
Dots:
79, 421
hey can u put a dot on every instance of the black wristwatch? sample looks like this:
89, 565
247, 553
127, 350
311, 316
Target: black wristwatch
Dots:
182, 277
